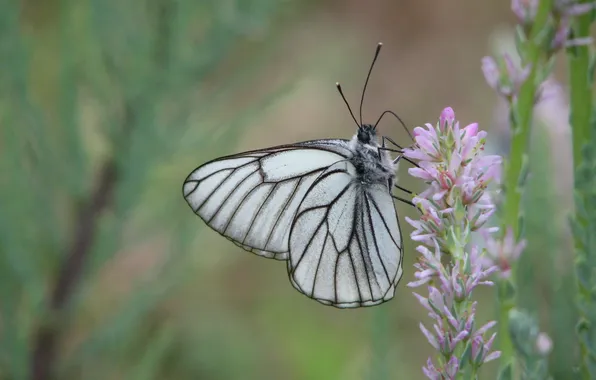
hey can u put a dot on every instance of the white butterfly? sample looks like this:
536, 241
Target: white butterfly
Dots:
324, 206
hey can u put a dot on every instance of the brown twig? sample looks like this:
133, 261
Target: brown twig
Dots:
45, 342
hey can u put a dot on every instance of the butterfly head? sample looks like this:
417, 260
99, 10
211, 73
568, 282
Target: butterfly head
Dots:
367, 134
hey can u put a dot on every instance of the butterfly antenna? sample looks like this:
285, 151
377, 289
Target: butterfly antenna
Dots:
398, 118
346, 101
379, 46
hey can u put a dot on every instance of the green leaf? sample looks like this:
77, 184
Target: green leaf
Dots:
506, 372
520, 41
464, 360
546, 70
591, 68
506, 290
524, 332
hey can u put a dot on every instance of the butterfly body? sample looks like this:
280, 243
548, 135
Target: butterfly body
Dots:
372, 164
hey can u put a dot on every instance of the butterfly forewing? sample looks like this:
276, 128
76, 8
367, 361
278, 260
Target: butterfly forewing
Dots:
252, 198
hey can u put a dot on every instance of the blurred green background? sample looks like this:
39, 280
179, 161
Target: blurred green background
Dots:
107, 105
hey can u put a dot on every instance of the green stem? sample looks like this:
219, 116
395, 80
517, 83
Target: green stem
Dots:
523, 111
523, 119
580, 84
473, 374
505, 305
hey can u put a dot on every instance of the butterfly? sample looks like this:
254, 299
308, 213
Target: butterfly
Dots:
325, 207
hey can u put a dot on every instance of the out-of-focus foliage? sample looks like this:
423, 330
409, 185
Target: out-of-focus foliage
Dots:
584, 228
101, 104
544, 282
545, 268
582, 62
106, 106
524, 334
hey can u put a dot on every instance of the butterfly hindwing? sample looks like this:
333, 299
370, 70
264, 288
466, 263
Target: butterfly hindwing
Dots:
345, 243
252, 198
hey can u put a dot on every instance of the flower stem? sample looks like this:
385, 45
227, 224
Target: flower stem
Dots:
580, 83
505, 305
522, 119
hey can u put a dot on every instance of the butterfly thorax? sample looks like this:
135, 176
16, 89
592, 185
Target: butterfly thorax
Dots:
372, 164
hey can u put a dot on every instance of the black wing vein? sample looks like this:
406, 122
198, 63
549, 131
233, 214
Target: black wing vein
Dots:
234, 190
374, 236
374, 203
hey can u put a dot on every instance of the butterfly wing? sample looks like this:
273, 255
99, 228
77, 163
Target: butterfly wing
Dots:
251, 198
345, 242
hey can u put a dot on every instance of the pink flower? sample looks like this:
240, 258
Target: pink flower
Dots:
451, 163
428, 267
447, 117
448, 372
559, 19
562, 36
503, 252
456, 199
504, 76
544, 344
424, 138
525, 10
572, 7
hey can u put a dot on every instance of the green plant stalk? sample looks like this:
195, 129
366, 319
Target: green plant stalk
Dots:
583, 224
525, 332
522, 120
580, 86
469, 371
505, 343
580, 118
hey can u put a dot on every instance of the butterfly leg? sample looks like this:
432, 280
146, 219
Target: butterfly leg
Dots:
405, 159
403, 189
403, 200
384, 140
385, 147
